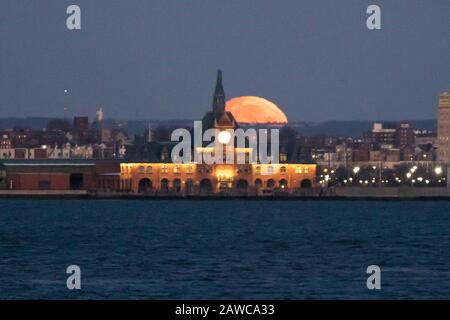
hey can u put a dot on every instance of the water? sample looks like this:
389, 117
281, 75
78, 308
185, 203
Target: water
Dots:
224, 249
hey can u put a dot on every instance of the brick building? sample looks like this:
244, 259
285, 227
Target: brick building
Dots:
59, 174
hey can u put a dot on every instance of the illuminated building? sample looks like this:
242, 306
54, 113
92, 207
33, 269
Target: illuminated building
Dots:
149, 170
444, 128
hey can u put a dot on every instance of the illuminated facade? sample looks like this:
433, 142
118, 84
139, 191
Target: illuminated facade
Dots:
153, 172
444, 128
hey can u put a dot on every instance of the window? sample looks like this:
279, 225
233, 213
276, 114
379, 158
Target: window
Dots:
306, 170
149, 169
298, 170
270, 183
270, 170
164, 169
258, 170
141, 169
189, 169
283, 157
283, 169
176, 169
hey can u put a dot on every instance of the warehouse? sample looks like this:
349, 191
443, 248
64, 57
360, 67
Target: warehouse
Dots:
73, 174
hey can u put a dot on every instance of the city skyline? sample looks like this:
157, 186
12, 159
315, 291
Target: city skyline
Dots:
316, 61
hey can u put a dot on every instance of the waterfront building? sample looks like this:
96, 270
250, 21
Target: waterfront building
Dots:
148, 167
444, 128
60, 175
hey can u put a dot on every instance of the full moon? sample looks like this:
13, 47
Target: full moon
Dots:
255, 110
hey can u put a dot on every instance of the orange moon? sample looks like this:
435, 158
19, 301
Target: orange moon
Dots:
255, 110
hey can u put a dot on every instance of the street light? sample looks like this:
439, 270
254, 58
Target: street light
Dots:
356, 170
438, 171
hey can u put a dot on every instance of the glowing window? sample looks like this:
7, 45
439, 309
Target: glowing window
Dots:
283, 169
298, 170
149, 169
176, 169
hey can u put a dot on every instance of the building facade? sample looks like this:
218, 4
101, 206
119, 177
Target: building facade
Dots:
60, 175
443, 153
201, 179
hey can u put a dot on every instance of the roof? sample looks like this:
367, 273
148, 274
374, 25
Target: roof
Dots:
53, 162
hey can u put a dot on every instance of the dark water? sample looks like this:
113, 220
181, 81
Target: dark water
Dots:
224, 249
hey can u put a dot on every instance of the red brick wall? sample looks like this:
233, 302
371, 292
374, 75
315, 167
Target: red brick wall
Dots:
31, 181
107, 167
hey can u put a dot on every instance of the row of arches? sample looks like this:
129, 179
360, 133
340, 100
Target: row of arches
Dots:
206, 186
146, 185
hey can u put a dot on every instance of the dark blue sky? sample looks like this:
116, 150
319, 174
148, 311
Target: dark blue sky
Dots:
157, 59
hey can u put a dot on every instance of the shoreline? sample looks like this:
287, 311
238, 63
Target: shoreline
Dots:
340, 194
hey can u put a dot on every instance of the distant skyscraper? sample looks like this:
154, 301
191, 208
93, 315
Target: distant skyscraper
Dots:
444, 128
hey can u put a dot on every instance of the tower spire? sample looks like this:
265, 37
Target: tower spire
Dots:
219, 96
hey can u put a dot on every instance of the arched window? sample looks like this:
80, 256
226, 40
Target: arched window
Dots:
189, 185
283, 169
258, 183
164, 185
145, 185
177, 185
258, 170
206, 186
242, 184
306, 184
149, 169
141, 169
270, 183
